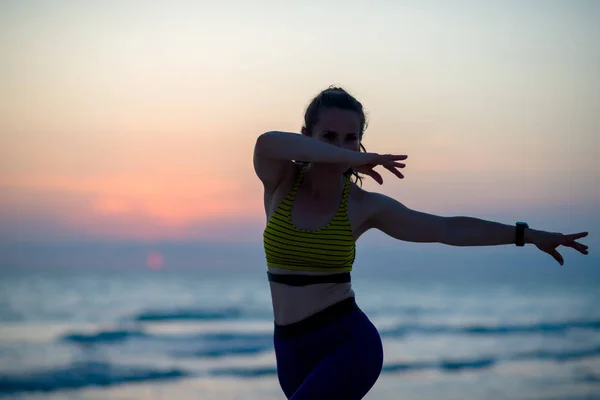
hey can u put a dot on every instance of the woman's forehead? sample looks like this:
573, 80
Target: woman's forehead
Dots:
339, 121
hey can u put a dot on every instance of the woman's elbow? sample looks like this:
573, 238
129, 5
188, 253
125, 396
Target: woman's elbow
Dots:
262, 143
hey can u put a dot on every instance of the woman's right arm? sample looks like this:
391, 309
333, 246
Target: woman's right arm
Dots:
275, 151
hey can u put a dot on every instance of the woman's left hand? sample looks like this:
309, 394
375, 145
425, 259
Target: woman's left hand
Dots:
548, 242
368, 169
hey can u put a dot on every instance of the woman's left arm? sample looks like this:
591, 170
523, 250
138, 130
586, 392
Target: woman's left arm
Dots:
400, 222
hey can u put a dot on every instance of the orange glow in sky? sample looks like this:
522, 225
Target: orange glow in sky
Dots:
139, 123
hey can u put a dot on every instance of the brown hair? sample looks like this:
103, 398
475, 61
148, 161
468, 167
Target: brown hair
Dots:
335, 97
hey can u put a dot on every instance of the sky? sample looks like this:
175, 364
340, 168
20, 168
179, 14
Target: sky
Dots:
132, 121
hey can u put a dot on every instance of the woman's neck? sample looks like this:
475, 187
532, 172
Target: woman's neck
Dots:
323, 181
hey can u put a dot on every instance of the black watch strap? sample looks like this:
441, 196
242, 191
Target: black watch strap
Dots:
520, 235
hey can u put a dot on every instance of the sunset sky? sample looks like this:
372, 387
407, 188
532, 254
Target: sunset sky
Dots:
136, 121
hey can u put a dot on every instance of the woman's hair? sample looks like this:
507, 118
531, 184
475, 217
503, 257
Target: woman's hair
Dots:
335, 97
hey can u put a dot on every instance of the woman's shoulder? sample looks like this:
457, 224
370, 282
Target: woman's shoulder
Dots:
369, 208
368, 200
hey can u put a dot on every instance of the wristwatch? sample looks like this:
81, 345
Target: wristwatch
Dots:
520, 235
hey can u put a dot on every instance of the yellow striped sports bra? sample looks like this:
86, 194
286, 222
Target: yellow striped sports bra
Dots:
329, 249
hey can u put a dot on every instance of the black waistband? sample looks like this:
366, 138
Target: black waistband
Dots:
323, 317
305, 280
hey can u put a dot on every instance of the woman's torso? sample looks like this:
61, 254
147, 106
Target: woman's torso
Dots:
294, 303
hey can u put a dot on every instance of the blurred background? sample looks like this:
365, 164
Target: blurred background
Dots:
131, 220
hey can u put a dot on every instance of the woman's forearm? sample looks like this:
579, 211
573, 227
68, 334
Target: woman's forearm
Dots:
293, 146
468, 231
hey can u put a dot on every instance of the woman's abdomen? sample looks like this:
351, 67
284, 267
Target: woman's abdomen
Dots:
295, 303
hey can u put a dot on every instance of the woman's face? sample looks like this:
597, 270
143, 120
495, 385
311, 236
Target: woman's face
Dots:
338, 127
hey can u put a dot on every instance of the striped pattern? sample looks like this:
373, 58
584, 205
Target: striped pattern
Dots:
329, 249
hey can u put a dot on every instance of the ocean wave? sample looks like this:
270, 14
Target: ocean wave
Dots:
445, 365
480, 329
187, 315
209, 345
223, 344
81, 375
396, 310
245, 372
226, 351
543, 327
122, 335
587, 377
406, 367
232, 336
457, 365
86, 374
235, 313
103, 337
216, 345
559, 355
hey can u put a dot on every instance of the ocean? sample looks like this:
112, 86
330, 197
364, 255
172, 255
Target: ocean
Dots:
482, 327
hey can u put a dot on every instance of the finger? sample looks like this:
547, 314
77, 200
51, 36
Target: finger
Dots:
557, 256
390, 158
579, 247
393, 164
575, 236
571, 241
574, 243
395, 172
375, 175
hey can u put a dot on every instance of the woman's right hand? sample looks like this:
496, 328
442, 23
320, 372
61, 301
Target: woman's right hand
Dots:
369, 161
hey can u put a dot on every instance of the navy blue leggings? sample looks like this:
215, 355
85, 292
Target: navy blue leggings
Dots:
341, 360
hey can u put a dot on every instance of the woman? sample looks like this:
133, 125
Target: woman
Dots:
325, 346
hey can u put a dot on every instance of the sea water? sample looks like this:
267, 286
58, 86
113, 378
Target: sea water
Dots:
460, 331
